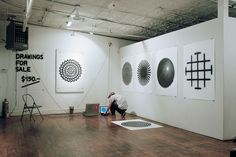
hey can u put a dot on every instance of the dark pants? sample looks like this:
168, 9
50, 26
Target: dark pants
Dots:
114, 108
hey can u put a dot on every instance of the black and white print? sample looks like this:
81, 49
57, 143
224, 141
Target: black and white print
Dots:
198, 69
127, 73
136, 124
143, 73
69, 71
166, 71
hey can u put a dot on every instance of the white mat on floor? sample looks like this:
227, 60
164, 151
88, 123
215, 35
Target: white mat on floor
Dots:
136, 128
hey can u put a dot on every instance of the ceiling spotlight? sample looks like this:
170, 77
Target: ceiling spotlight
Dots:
76, 16
68, 23
92, 31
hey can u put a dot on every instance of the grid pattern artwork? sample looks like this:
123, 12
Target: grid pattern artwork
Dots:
202, 67
199, 70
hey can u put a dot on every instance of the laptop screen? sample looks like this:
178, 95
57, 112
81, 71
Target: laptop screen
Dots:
103, 109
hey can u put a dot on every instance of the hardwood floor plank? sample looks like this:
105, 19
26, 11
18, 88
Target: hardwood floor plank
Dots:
79, 136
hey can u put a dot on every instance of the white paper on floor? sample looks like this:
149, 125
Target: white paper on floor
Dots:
136, 124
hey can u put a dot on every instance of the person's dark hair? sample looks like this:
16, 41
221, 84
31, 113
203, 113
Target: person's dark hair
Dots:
110, 94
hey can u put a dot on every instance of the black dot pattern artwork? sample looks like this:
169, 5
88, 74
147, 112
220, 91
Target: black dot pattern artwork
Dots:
70, 70
127, 73
198, 69
165, 72
136, 124
144, 72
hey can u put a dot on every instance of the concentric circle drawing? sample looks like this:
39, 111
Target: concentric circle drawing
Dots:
144, 72
70, 70
165, 72
127, 73
136, 124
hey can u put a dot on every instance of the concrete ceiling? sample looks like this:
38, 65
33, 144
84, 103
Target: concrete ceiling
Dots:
128, 19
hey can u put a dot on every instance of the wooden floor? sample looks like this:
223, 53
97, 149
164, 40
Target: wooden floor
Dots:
79, 136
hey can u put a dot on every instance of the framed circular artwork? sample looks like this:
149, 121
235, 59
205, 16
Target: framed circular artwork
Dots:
144, 72
70, 70
165, 72
127, 73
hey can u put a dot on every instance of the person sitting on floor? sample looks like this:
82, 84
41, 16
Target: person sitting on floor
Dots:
117, 103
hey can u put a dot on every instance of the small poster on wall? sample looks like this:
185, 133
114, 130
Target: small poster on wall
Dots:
143, 70
166, 71
127, 72
69, 72
198, 61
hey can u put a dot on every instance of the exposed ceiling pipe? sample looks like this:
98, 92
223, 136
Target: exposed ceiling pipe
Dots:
114, 35
28, 8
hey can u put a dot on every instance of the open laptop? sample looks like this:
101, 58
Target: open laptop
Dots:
103, 110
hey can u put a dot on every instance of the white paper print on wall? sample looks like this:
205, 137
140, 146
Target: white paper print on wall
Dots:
127, 73
69, 72
143, 76
166, 71
198, 61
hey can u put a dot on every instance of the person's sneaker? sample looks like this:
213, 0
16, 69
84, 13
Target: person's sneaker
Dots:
123, 115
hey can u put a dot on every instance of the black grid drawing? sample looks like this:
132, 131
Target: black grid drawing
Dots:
70, 70
127, 73
198, 70
144, 72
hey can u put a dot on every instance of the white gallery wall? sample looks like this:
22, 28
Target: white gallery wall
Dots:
100, 70
214, 118
7, 70
200, 116
229, 78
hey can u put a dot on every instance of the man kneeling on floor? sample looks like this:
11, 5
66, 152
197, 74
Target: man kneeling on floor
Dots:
117, 103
